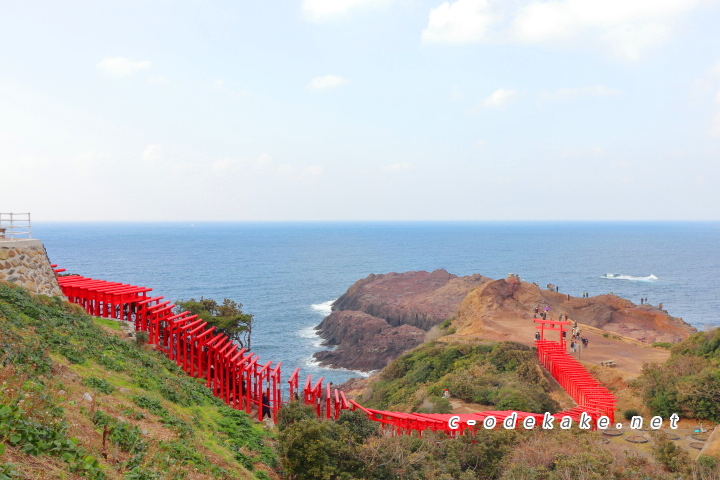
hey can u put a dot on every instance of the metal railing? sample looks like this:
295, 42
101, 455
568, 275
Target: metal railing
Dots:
15, 225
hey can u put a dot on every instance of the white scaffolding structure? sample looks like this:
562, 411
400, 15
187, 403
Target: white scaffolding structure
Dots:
15, 225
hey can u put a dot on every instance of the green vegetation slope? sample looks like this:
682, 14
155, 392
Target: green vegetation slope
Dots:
504, 376
77, 400
689, 382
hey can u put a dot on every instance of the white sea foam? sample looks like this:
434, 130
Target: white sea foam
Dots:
618, 276
311, 333
313, 363
325, 307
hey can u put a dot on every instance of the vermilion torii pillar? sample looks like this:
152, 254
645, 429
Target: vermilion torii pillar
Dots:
556, 325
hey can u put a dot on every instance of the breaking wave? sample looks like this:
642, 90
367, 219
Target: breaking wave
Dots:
619, 276
313, 363
325, 307
311, 333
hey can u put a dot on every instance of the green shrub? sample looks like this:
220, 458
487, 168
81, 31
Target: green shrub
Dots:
34, 438
150, 404
629, 414
707, 462
437, 405
294, 412
123, 434
671, 456
358, 424
141, 338
99, 384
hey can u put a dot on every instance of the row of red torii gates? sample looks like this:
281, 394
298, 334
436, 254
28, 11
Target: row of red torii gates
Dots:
237, 377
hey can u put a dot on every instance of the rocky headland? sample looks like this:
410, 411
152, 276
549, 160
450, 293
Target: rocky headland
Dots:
382, 316
489, 308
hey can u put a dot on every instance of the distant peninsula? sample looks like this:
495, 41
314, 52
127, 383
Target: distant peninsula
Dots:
382, 316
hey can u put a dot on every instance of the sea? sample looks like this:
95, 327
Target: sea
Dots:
288, 274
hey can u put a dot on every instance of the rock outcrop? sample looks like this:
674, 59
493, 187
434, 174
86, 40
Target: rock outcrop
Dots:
382, 316
483, 311
24, 262
365, 342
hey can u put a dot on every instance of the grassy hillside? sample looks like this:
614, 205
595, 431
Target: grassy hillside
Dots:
79, 400
505, 376
689, 382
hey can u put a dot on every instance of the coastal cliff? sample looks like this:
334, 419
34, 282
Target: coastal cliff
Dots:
484, 309
381, 316
421, 299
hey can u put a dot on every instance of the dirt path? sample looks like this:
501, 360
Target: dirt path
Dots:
629, 354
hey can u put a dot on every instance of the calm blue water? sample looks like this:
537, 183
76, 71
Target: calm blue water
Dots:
286, 273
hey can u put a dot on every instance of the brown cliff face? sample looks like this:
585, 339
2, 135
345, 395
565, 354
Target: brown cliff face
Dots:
382, 316
364, 342
486, 306
420, 299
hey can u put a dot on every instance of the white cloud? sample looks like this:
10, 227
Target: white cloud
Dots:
325, 10
152, 153
464, 21
709, 83
121, 66
587, 152
500, 97
456, 95
628, 27
327, 82
89, 163
572, 93
159, 80
223, 164
264, 165
312, 171
715, 126
398, 167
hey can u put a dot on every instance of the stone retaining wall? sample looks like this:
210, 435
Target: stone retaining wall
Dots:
25, 263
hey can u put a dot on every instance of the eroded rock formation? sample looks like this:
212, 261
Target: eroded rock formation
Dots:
381, 316
483, 311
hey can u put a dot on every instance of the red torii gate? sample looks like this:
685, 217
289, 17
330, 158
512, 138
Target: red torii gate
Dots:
571, 375
236, 376
556, 325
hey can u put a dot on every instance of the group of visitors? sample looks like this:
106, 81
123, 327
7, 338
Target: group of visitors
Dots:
575, 344
577, 340
541, 314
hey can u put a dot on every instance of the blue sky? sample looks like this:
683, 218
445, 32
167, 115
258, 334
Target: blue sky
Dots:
360, 110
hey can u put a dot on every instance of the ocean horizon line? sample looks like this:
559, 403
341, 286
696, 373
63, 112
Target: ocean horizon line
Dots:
376, 222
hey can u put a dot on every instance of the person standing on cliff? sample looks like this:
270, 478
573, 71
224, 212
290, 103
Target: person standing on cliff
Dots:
265, 406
